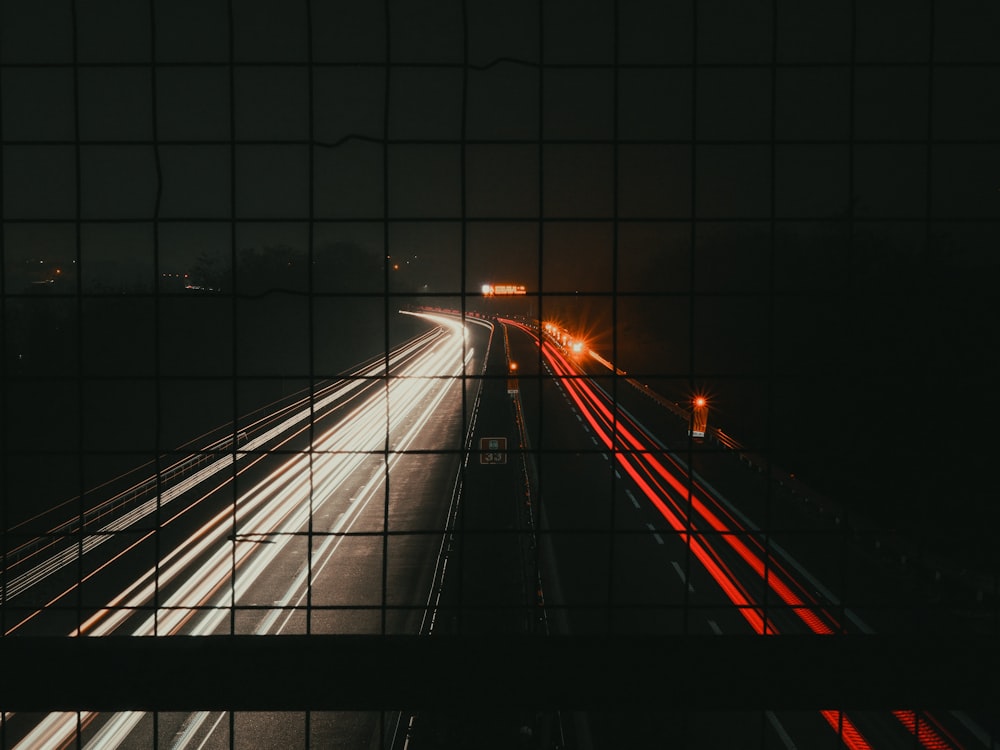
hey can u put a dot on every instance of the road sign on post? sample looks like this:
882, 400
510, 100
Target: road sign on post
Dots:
493, 450
699, 418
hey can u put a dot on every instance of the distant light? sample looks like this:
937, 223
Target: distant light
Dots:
503, 290
700, 401
513, 366
506, 289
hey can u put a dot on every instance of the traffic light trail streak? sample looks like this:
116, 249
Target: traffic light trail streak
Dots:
697, 518
196, 585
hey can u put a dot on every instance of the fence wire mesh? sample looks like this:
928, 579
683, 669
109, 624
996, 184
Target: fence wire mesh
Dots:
726, 276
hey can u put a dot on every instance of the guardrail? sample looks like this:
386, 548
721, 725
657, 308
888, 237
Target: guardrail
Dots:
124, 499
895, 548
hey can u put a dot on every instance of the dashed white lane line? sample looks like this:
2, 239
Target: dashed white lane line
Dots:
656, 536
779, 729
782, 734
680, 574
632, 498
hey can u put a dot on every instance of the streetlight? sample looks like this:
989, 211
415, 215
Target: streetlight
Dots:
699, 418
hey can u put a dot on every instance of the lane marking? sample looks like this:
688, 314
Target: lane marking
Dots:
631, 497
680, 574
751, 526
782, 734
981, 734
715, 627
656, 536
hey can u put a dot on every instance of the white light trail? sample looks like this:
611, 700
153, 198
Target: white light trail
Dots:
91, 542
273, 510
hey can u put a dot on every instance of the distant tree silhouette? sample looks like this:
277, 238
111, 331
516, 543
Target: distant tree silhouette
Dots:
212, 272
272, 268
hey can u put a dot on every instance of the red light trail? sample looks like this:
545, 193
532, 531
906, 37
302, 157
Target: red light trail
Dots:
639, 455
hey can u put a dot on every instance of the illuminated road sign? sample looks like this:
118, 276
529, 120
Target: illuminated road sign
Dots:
503, 290
493, 450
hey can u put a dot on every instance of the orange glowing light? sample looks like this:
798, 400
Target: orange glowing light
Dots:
504, 289
700, 401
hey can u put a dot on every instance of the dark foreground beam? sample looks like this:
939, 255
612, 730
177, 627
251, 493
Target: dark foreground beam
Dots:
444, 672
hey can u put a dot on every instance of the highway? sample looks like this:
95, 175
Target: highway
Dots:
501, 480
285, 533
640, 543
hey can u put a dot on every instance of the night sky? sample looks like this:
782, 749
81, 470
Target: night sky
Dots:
792, 206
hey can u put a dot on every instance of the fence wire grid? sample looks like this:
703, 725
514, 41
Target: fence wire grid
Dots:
727, 370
